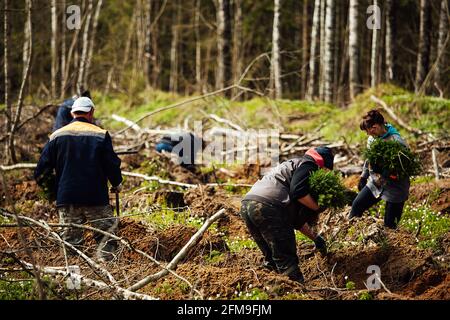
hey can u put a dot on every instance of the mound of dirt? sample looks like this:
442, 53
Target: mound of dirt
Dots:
436, 193
165, 244
205, 201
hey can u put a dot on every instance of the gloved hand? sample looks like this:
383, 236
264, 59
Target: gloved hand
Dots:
116, 189
321, 245
362, 183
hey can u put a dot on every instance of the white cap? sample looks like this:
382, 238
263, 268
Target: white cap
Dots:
83, 104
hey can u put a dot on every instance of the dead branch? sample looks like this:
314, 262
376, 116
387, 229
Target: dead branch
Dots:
18, 166
222, 120
181, 184
62, 242
129, 123
435, 163
126, 294
394, 116
181, 254
125, 242
158, 179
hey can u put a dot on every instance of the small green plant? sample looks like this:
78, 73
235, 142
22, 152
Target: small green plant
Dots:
350, 285
327, 189
214, 256
389, 157
365, 295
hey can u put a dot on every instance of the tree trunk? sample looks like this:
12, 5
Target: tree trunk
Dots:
374, 56
6, 40
313, 57
198, 48
148, 42
92, 43
442, 44
84, 53
354, 53
156, 69
423, 57
237, 42
174, 63
63, 50
54, 49
305, 42
276, 67
329, 50
223, 74
323, 8
390, 36
15, 123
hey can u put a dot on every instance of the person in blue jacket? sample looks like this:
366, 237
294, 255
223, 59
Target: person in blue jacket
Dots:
64, 116
81, 157
374, 185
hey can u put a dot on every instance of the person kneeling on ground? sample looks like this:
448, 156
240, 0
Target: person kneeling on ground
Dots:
183, 145
82, 157
281, 202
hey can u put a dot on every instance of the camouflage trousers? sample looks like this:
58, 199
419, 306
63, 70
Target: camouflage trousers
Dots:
273, 232
99, 217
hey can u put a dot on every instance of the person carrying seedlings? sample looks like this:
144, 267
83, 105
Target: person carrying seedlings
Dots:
64, 116
82, 157
281, 202
378, 183
183, 145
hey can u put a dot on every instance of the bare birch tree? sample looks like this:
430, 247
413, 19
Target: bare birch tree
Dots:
354, 52
314, 53
237, 41
323, 8
84, 53
442, 63
54, 49
148, 43
223, 72
92, 42
198, 47
329, 50
374, 53
423, 56
390, 37
63, 49
6, 40
174, 63
16, 116
305, 47
276, 67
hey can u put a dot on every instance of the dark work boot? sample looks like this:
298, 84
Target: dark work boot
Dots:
269, 265
296, 275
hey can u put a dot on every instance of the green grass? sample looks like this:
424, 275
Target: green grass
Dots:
167, 217
434, 225
237, 244
426, 113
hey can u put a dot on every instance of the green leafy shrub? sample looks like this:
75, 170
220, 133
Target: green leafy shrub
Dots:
390, 157
327, 189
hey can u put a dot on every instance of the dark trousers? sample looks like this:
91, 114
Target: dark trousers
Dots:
365, 200
274, 235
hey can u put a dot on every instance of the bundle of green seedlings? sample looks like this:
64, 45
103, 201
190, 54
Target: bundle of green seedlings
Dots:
328, 190
391, 158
